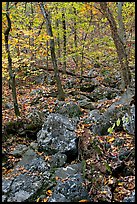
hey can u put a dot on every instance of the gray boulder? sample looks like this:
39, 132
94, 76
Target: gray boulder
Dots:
29, 176
71, 109
57, 135
102, 121
129, 121
130, 198
19, 150
86, 104
69, 187
103, 92
8, 106
58, 160
36, 92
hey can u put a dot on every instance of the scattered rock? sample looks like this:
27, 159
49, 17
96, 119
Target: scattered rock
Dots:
69, 187
130, 198
9, 106
40, 79
70, 84
50, 80
30, 175
57, 134
103, 92
87, 87
36, 91
86, 104
34, 145
111, 115
58, 160
20, 149
129, 121
70, 109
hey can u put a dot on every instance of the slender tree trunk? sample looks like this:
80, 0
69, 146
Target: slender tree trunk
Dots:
61, 95
64, 40
83, 46
75, 37
120, 47
121, 30
11, 74
47, 57
58, 37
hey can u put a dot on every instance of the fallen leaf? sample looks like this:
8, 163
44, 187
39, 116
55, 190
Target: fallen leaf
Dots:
111, 139
85, 201
49, 192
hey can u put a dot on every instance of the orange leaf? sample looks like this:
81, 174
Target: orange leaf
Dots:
83, 201
49, 192
45, 199
111, 139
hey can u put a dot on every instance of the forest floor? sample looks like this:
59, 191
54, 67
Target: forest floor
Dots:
122, 185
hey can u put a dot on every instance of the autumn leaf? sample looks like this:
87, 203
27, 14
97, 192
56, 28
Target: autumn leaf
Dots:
45, 199
111, 139
49, 192
84, 201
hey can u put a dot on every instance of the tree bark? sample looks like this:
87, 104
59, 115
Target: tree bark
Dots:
83, 46
58, 38
120, 47
61, 95
122, 33
75, 37
64, 40
11, 74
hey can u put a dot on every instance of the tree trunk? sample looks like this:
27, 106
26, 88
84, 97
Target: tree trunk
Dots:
11, 74
120, 47
64, 40
61, 95
75, 37
83, 46
47, 57
58, 38
122, 33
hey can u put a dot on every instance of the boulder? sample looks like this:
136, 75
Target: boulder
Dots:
130, 198
50, 80
70, 84
58, 160
129, 121
86, 104
36, 92
29, 176
103, 121
9, 106
70, 109
87, 87
19, 150
57, 135
103, 92
69, 187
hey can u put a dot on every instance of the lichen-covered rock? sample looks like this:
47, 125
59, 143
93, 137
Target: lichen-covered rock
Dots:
58, 160
71, 109
103, 92
117, 110
86, 104
28, 177
87, 87
69, 187
19, 150
57, 135
130, 198
129, 121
